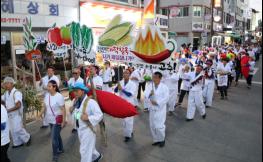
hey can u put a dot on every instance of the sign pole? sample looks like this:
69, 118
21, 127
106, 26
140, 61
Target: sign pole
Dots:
13, 56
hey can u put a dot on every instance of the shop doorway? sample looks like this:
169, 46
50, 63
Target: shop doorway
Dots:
196, 43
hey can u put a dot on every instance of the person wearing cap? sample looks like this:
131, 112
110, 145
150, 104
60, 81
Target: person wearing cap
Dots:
156, 94
223, 70
43, 83
107, 73
13, 100
209, 86
195, 98
54, 107
88, 115
127, 90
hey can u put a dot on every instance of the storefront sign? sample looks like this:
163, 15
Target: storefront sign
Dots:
161, 21
197, 26
14, 12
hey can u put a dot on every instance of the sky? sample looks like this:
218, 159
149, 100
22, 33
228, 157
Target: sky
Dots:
256, 4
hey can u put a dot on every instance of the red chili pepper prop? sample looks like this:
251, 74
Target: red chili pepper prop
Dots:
156, 58
54, 36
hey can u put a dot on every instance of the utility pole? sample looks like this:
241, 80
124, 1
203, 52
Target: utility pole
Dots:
212, 18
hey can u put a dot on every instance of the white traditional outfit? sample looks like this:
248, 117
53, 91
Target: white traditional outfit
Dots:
18, 133
195, 98
128, 93
107, 79
86, 129
136, 74
157, 115
171, 81
209, 86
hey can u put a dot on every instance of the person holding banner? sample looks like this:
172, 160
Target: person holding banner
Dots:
107, 75
158, 98
88, 115
195, 98
223, 69
97, 80
127, 91
44, 82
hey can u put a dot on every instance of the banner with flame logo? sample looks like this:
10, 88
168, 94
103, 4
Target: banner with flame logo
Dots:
149, 9
147, 49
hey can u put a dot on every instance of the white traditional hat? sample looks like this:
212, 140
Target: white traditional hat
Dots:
9, 80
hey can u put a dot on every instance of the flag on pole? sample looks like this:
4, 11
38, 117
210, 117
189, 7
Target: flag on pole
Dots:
149, 9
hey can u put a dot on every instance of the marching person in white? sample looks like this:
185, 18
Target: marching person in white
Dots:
208, 90
185, 84
171, 81
88, 115
5, 139
44, 82
127, 91
76, 78
223, 69
136, 77
97, 80
147, 77
72, 81
183, 62
14, 105
158, 96
195, 98
107, 75
54, 107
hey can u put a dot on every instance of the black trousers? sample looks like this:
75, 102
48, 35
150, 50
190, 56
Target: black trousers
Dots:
179, 84
4, 156
249, 80
182, 94
223, 91
230, 79
141, 87
237, 75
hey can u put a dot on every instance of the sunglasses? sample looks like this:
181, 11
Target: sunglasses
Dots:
75, 73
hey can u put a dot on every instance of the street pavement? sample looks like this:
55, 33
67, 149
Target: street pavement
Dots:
232, 132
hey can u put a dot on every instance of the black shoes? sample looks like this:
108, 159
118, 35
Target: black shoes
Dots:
74, 131
18, 146
99, 158
28, 142
44, 126
146, 110
160, 144
188, 120
127, 139
204, 116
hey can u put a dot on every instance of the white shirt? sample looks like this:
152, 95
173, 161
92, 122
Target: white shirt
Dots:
4, 133
45, 81
93, 111
171, 81
55, 102
12, 98
97, 81
107, 75
199, 85
136, 74
223, 79
160, 96
72, 81
251, 67
180, 71
186, 81
129, 87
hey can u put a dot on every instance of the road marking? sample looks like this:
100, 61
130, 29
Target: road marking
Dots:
253, 82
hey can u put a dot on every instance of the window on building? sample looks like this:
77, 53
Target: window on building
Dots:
197, 10
165, 11
184, 11
207, 11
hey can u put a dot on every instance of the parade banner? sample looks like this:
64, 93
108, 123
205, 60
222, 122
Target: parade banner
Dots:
71, 37
147, 50
30, 42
